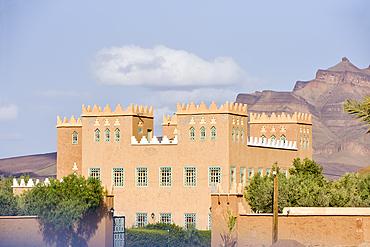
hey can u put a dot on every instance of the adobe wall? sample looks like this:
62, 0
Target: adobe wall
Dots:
26, 231
309, 229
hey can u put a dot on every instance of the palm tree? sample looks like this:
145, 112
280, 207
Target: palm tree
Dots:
360, 109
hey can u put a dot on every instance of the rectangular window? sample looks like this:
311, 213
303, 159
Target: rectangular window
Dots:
260, 171
94, 172
165, 176
268, 171
140, 130
214, 175
141, 176
243, 176
190, 176
232, 176
165, 218
118, 176
209, 221
250, 173
141, 219
285, 172
190, 221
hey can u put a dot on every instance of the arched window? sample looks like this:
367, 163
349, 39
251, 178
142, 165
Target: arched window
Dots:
97, 135
202, 134
307, 142
241, 135
117, 135
74, 138
283, 139
263, 138
213, 133
237, 134
233, 134
192, 134
273, 138
107, 135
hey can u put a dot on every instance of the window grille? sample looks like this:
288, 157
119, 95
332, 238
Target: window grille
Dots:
283, 138
263, 138
237, 134
192, 134
117, 135
107, 135
232, 176
241, 135
242, 175
209, 221
300, 141
165, 176
233, 134
118, 176
141, 219
307, 144
165, 218
190, 176
273, 138
304, 142
141, 176
202, 134
213, 133
214, 175
97, 135
94, 172
190, 221
74, 138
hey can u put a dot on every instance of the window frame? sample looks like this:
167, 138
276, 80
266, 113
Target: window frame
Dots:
92, 172
97, 135
232, 176
243, 176
191, 133
143, 177
117, 138
213, 133
194, 220
164, 216
74, 138
192, 177
106, 135
144, 216
211, 176
202, 133
122, 176
161, 171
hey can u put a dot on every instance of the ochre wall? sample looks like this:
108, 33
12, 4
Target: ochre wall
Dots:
310, 230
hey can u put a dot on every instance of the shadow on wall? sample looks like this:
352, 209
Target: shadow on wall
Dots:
80, 236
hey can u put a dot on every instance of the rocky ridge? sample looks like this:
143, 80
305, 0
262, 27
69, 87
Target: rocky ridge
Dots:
339, 140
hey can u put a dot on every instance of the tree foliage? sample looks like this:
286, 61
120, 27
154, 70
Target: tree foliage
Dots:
8, 202
359, 109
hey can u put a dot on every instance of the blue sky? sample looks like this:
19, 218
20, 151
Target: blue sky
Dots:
56, 56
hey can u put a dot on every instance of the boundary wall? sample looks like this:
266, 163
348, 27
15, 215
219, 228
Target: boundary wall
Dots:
308, 226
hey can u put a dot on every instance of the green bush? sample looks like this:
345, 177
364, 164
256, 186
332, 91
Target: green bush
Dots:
206, 236
146, 237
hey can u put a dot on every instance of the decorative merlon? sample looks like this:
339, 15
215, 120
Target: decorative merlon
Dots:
283, 118
30, 183
72, 122
131, 111
168, 121
269, 143
154, 141
236, 108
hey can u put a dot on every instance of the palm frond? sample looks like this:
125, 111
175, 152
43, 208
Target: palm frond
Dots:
360, 109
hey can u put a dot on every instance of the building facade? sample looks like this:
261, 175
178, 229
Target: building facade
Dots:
170, 179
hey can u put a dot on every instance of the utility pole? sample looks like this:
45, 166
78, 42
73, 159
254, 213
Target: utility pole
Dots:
275, 207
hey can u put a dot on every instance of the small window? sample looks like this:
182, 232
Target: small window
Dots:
214, 175
304, 142
202, 134
190, 221
263, 138
165, 176
233, 134
260, 171
74, 138
192, 134
243, 176
209, 221
118, 176
117, 135
300, 141
283, 139
107, 135
232, 176
141, 219
94, 172
165, 218
190, 176
213, 133
141, 176
268, 171
273, 138
140, 130
237, 134
250, 173
97, 135
285, 172
241, 135
307, 144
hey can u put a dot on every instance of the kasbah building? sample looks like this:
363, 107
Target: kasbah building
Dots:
170, 179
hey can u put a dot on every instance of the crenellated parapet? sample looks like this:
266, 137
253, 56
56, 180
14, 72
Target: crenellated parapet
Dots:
235, 108
270, 143
132, 110
72, 122
283, 118
154, 141
168, 121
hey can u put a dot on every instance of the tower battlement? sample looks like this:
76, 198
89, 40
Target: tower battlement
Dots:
132, 110
168, 121
236, 108
72, 122
283, 118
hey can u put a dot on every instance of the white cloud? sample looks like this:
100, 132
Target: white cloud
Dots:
14, 136
58, 94
132, 65
9, 112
